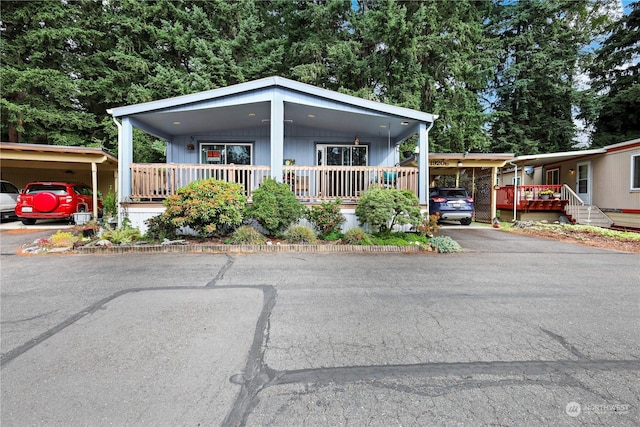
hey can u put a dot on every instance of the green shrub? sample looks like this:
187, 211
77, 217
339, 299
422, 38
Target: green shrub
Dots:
110, 203
209, 207
382, 208
121, 235
275, 207
445, 244
356, 236
300, 234
332, 237
399, 239
159, 228
326, 218
247, 235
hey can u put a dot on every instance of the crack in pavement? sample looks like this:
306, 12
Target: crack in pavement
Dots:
16, 352
563, 342
12, 322
256, 374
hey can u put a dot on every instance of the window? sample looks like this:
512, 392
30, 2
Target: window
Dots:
553, 176
635, 172
225, 154
342, 155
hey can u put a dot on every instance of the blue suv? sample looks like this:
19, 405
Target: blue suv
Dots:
451, 203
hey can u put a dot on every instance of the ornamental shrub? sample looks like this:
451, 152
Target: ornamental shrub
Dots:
445, 244
382, 208
356, 236
275, 207
326, 218
429, 225
210, 207
247, 235
300, 234
124, 234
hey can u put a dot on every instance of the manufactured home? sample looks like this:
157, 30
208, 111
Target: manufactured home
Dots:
598, 186
323, 143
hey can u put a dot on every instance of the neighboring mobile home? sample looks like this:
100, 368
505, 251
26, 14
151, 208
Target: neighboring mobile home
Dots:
598, 186
323, 143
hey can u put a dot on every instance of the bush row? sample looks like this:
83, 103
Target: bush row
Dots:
214, 208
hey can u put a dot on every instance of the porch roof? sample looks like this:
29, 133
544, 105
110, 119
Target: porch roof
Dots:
247, 105
543, 159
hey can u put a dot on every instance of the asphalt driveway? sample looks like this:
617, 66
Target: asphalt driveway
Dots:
515, 331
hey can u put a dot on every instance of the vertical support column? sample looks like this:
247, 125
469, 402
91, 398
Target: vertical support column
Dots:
277, 135
494, 193
423, 163
94, 188
125, 158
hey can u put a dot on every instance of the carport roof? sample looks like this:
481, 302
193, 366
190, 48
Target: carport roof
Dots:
54, 156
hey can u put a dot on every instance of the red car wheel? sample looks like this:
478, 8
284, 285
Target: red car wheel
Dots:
45, 202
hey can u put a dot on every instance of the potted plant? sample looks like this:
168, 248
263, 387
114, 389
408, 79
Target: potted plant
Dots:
110, 206
545, 194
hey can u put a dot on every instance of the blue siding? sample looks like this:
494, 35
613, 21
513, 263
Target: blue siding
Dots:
300, 144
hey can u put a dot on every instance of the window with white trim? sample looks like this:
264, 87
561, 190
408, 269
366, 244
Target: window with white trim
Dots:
221, 153
635, 172
552, 176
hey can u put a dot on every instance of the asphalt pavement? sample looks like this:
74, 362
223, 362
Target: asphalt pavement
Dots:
514, 331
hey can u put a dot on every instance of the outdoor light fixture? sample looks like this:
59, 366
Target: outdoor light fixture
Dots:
356, 140
459, 164
190, 147
572, 171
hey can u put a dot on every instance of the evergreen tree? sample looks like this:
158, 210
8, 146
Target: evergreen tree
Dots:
616, 78
40, 50
535, 80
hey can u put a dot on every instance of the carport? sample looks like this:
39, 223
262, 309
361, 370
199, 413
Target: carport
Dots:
23, 163
475, 171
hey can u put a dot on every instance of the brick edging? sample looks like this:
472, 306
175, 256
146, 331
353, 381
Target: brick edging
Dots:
219, 248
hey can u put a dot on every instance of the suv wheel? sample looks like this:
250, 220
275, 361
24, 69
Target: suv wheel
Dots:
465, 221
28, 221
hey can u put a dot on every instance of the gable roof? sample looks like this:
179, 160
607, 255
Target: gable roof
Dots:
247, 105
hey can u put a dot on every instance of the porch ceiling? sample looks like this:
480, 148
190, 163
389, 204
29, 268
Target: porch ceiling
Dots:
254, 115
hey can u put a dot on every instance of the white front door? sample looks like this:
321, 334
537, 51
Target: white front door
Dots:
583, 182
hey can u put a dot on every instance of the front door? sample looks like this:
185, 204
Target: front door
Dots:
341, 182
583, 182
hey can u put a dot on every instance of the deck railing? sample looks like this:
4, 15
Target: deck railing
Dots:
156, 181
505, 195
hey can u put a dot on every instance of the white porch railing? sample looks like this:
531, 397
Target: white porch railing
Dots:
156, 181
574, 202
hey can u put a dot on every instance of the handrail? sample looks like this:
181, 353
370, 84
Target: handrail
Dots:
573, 202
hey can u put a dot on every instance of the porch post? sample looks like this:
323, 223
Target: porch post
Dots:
277, 135
423, 163
94, 189
125, 158
494, 192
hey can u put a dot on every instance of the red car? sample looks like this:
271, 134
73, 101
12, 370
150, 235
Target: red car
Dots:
54, 200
